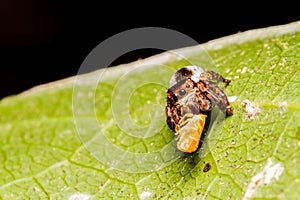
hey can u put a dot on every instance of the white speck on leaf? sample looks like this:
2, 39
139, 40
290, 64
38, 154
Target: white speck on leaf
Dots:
146, 194
79, 196
244, 70
272, 67
233, 142
283, 106
264, 177
232, 99
251, 109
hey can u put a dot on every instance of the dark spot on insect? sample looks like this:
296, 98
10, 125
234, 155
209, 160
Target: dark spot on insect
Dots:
182, 92
175, 97
206, 167
187, 86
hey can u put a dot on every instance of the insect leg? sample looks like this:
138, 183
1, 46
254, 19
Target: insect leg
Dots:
222, 101
213, 76
216, 96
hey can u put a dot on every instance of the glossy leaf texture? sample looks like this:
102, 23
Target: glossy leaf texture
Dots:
103, 134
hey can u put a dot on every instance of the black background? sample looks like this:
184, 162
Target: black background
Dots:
43, 41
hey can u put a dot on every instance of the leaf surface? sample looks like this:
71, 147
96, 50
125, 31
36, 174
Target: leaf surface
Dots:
103, 134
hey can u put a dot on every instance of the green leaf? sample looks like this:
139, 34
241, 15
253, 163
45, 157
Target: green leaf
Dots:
103, 134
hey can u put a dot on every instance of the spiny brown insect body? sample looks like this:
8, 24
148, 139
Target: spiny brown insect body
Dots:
193, 91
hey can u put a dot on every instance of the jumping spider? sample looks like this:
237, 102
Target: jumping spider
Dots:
193, 91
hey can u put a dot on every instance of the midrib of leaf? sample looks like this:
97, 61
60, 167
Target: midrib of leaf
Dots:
270, 104
292, 106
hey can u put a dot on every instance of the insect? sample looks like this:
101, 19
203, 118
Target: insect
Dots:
193, 92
